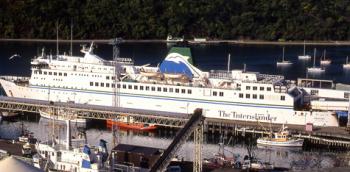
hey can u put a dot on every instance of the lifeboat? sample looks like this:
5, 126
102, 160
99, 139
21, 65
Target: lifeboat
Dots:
174, 76
150, 74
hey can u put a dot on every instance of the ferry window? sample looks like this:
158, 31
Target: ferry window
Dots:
346, 95
189, 91
261, 96
268, 88
255, 96
96, 84
215, 93
50, 73
60, 74
183, 91
165, 89
314, 92
247, 87
177, 90
55, 73
107, 84
40, 72
221, 94
283, 97
91, 83
247, 96
255, 88
45, 73
262, 88
159, 89
240, 95
147, 88
153, 88
171, 90
102, 84
107, 77
35, 72
113, 77
135, 87
129, 86
124, 86
141, 87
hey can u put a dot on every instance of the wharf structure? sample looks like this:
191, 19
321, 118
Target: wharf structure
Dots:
336, 136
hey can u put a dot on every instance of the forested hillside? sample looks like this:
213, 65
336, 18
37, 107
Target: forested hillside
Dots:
155, 19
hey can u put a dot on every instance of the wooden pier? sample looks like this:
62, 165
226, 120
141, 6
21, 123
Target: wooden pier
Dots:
335, 137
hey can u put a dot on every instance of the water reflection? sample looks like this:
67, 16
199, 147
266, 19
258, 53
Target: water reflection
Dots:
232, 146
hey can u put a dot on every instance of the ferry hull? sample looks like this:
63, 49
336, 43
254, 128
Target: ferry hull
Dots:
212, 109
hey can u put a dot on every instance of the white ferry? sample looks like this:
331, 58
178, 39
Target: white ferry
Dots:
176, 85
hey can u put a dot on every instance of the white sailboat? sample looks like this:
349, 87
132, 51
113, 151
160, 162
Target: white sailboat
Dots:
315, 69
347, 64
305, 56
284, 62
325, 61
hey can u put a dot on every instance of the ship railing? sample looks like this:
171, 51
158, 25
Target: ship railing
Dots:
123, 60
220, 74
15, 78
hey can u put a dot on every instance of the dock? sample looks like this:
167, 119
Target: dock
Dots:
331, 136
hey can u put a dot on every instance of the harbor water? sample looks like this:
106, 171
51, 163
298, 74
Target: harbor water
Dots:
256, 58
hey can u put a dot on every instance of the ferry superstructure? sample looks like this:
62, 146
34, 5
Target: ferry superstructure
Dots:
176, 85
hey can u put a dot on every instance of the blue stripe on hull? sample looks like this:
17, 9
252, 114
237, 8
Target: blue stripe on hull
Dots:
166, 98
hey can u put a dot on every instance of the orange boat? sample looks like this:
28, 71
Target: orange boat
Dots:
127, 122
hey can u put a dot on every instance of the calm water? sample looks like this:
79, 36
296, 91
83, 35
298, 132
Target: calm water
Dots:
257, 58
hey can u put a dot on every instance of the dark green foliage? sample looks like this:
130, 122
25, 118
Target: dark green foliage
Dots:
155, 19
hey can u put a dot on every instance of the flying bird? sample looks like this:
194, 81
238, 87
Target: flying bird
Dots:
13, 56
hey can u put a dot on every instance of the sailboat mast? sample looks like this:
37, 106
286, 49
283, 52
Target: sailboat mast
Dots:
71, 38
57, 38
304, 47
283, 55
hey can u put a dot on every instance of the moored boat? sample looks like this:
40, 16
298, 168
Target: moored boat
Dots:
60, 116
281, 138
128, 122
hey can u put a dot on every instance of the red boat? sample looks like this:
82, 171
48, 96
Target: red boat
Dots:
127, 122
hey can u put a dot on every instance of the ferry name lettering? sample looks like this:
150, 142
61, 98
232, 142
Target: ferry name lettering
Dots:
235, 115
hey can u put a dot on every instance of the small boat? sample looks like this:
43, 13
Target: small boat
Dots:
171, 39
255, 164
347, 64
315, 69
60, 116
150, 74
325, 61
304, 56
128, 122
8, 114
284, 62
281, 138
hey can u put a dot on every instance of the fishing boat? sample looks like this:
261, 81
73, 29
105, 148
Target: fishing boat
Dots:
304, 56
315, 69
325, 61
347, 64
281, 138
128, 122
284, 62
60, 115
55, 155
254, 164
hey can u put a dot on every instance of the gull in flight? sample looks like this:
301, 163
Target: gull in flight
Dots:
13, 56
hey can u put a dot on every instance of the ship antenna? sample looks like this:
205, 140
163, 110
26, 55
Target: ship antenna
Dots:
228, 63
